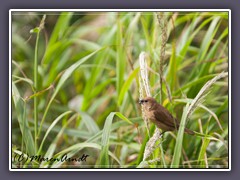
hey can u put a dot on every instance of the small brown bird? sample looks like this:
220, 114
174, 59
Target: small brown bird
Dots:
160, 116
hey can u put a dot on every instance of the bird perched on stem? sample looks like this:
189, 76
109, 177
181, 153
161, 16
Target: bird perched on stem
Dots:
160, 116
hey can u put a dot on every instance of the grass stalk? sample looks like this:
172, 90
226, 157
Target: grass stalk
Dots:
36, 30
163, 26
35, 91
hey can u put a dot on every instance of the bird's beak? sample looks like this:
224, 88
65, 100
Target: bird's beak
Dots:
140, 101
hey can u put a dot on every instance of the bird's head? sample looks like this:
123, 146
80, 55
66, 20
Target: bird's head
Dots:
147, 102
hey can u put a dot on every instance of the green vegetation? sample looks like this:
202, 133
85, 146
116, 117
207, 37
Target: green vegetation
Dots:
75, 88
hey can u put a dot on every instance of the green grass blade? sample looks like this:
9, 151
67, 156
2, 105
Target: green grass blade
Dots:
203, 107
53, 145
126, 85
58, 32
27, 80
89, 122
178, 147
123, 117
104, 159
195, 82
20, 106
120, 67
51, 127
208, 38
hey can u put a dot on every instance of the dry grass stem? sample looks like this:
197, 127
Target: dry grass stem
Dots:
144, 84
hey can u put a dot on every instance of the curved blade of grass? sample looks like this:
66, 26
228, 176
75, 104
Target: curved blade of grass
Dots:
203, 107
90, 45
99, 88
123, 117
212, 52
51, 127
126, 85
213, 114
59, 29
55, 49
194, 83
53, 145
203, 150
206, 136
132, 26
89, 122
20, 106
212, 30
104, 160
62, 80
27, 80
178, 147
221, 109
143, 164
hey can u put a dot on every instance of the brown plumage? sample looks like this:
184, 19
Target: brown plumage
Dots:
160, 116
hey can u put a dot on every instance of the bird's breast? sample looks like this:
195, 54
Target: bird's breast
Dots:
149, 114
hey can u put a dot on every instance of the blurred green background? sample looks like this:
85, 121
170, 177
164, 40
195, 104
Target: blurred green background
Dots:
71, 71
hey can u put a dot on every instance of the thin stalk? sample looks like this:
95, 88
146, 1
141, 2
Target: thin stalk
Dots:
35, 90
162, 157
36, 30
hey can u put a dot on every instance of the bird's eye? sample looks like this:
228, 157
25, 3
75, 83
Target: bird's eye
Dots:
146, 101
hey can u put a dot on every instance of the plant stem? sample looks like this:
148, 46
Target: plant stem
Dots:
35, 90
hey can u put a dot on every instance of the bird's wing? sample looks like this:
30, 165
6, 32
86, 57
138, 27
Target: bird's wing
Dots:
166, 118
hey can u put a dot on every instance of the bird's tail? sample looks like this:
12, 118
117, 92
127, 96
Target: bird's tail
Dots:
188, 131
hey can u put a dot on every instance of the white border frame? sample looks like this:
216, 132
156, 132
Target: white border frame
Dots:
116, 10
